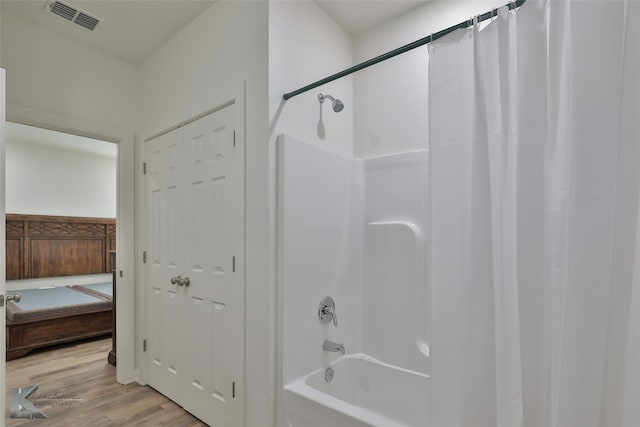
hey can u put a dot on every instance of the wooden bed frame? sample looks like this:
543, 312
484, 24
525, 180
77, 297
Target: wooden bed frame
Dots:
24, 336
51, 246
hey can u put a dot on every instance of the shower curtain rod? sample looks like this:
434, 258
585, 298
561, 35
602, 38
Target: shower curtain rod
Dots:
423, 41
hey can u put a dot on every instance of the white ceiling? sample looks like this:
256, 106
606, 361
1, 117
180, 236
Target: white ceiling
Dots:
132, 29
62, 141
358, 16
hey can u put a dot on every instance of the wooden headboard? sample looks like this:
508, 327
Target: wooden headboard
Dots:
51, 246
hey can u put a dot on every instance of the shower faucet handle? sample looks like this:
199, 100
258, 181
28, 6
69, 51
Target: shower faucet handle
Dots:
331, 312
327, 311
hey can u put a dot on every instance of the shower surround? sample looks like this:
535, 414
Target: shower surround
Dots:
353, 230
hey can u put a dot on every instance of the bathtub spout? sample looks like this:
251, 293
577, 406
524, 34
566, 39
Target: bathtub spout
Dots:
332, 346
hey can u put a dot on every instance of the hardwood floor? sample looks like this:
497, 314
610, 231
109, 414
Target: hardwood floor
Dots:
80, 371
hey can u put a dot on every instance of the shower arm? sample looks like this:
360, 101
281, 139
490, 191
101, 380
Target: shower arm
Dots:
322, 97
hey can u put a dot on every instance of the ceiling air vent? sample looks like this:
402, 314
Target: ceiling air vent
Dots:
73, 14
84, 20
64, 10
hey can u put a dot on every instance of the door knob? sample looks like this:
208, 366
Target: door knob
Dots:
180, 281
16, 297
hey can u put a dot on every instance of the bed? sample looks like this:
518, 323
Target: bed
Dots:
49, 316
53, 246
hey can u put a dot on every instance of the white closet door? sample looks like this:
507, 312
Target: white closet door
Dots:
165, 260
195, 334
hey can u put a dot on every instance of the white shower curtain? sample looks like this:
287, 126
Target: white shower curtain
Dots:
534, 246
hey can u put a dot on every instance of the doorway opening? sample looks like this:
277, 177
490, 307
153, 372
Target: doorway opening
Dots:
61, 208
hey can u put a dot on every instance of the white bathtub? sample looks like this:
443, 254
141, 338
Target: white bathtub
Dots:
364, 393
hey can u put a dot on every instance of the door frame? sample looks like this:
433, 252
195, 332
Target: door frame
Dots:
125, 214
237, 98
3, 363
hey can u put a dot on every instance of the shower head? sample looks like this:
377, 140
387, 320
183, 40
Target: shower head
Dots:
335, 103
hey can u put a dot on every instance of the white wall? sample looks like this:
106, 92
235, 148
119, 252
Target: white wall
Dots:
395, 295
42, 180
305, 45
50, 72
354, 230
391, 97
320, 213
57, 83
202, 65
199, 68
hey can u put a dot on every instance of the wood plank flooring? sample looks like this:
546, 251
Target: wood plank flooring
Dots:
80, 371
